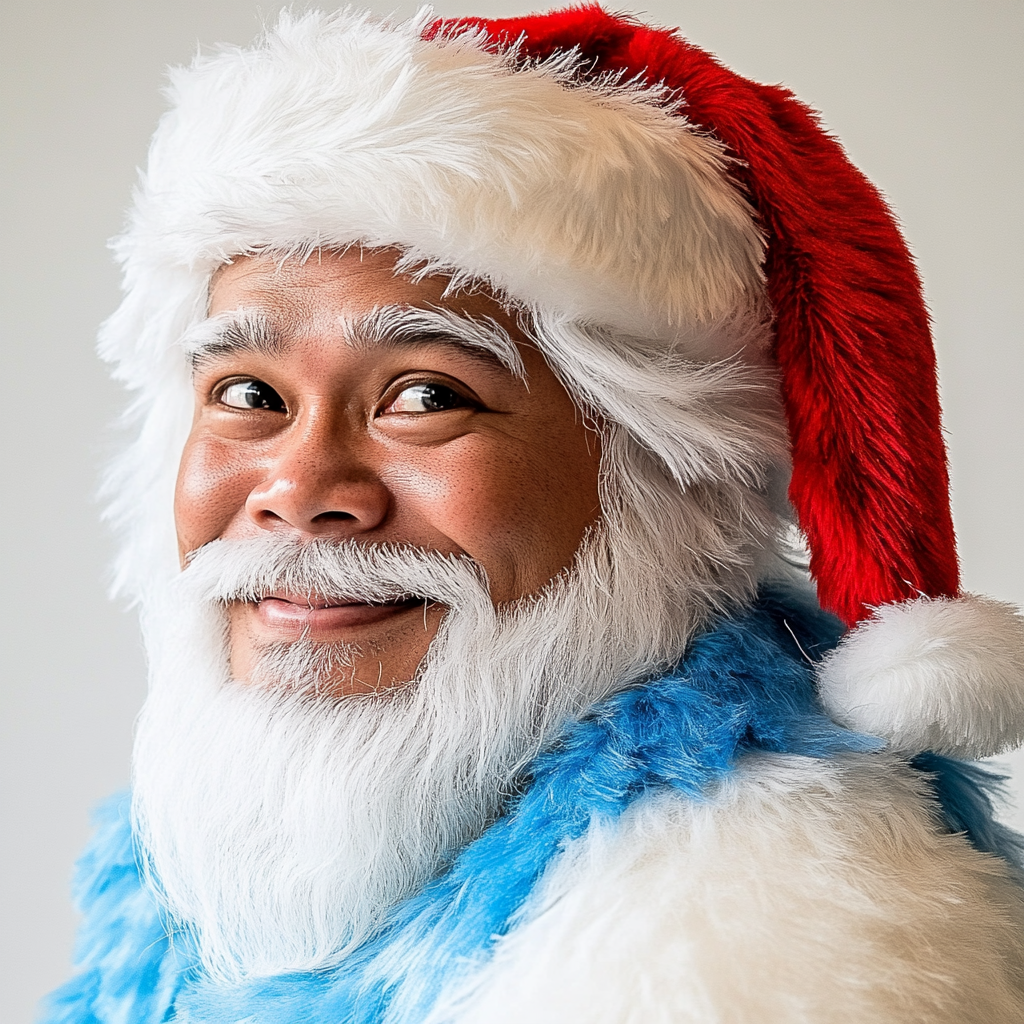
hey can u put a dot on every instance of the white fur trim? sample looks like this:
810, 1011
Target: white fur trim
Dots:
803, 891
590, 200
944, 675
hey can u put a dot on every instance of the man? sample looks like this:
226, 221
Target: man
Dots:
474, 360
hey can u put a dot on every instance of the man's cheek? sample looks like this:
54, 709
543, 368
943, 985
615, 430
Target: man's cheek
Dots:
458, 491
488, 506
212, 487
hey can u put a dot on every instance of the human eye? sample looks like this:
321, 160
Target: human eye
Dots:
251, 394
430, 397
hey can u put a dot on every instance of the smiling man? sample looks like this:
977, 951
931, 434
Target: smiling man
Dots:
485, 377
337, 400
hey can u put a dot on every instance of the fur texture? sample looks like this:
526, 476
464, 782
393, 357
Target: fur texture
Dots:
939, 675
797, 892
128, 964
746, 686
869, 481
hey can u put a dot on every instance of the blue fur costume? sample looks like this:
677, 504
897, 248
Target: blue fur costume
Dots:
745, 685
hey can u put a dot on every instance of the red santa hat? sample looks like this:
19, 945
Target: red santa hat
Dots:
603, 171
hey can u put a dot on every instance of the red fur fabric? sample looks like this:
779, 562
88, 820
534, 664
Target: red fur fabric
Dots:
870, 483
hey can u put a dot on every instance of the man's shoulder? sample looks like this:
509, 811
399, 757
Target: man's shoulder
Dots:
797, 889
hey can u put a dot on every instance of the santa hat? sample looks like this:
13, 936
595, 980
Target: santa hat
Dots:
603, 171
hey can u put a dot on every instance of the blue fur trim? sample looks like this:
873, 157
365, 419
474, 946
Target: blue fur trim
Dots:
128, 972
747, 684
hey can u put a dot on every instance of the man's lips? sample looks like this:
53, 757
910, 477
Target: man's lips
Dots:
314, 615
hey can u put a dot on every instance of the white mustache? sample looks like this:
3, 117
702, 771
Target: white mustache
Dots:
249, 570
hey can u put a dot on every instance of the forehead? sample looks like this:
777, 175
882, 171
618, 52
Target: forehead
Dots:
268, 306
337, 284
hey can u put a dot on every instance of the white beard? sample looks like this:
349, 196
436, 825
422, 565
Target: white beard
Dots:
279, 824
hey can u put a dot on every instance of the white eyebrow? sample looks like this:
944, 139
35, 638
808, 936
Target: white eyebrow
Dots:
396, 325
238, 330
252, 331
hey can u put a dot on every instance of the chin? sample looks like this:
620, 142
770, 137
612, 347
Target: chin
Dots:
373, 658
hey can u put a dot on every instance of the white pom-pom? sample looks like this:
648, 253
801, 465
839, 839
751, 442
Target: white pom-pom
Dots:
932, 674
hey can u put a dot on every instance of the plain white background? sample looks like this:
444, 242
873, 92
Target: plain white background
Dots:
925, 95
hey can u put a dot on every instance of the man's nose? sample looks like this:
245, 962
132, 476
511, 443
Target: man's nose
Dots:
319, 482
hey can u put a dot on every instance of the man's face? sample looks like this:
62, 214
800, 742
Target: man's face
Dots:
316, 417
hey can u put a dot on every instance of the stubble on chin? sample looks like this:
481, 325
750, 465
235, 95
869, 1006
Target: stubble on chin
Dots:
378, 664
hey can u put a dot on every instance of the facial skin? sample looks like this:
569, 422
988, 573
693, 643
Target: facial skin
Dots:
420, 441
